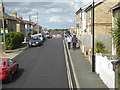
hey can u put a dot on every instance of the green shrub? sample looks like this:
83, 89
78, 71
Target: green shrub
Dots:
99, 47
14, 39
34, 32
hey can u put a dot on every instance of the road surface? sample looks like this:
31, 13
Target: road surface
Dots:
41, 67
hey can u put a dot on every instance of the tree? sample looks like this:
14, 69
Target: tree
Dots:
115, 32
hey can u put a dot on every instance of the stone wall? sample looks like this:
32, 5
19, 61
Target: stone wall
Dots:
105, 39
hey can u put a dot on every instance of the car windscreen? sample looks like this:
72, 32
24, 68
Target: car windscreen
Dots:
47, 33
34, 38
2, 63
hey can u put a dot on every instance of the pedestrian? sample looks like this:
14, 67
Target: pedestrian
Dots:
74, 41
69, 39
65, 38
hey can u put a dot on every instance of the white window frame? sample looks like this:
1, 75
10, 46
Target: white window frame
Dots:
81, 15
90, 13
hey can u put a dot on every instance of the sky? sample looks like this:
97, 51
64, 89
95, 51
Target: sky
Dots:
53, 14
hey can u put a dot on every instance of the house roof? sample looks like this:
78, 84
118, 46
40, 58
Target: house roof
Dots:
25, 21
6, 16
18, 20
115, 7
89, 5
95, 4
78, 11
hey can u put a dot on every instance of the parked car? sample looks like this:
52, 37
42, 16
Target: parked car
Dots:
47, 35
40, 36
43, 35
34, 41
8, 68
51, 36
67, 33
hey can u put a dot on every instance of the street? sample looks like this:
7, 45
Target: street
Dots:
41, 67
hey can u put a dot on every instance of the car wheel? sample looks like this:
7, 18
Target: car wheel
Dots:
29, 45
17, 69
10, 77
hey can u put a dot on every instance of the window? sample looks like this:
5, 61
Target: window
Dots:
2, 63
10, 62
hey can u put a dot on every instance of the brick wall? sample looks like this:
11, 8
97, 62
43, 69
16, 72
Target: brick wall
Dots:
103, 18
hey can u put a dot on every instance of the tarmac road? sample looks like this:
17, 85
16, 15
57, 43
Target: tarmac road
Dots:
41, 67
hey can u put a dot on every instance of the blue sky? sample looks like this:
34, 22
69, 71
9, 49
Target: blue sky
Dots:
52, 14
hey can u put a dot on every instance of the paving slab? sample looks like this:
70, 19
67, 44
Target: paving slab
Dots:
86, 78
13, 53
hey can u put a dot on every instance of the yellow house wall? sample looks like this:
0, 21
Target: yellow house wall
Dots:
18, 27
102, 15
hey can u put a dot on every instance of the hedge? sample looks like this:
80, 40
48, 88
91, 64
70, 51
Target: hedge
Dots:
14, 39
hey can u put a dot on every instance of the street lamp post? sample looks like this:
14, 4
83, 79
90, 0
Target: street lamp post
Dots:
3, 22
93, 56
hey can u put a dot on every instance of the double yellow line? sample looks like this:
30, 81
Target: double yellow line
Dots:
68, 68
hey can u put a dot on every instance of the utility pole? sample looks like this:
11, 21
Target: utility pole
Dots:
29, 18
37, 22
3, 22
93, 56
74, 27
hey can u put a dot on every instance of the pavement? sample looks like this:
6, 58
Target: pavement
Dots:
13, 53
85, 77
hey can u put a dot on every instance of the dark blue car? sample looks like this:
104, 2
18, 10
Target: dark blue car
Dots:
67, 33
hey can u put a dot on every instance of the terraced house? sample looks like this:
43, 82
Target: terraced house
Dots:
102, 21
10, 23
115, 13
20, 25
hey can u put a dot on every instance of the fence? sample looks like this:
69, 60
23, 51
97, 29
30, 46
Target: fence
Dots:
104, 68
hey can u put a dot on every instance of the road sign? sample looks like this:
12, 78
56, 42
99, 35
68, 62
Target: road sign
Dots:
1, 30
6, 30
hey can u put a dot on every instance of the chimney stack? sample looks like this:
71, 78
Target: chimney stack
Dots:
14, 14
20, 17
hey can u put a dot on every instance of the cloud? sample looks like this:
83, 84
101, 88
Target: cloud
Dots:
40, 0
70, 20
51, 14
54, 19
53, 10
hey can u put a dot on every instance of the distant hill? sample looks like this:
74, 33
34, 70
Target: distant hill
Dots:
58, 30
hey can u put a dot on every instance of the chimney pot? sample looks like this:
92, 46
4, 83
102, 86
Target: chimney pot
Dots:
20, 17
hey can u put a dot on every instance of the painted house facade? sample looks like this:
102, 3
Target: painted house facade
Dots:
102, 22
10, 23
20, 25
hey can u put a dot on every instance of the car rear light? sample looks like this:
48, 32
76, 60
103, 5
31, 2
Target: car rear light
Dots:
4, 72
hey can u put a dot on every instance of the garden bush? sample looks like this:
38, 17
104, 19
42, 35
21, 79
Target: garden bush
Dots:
14, 39
34, 32
99, 47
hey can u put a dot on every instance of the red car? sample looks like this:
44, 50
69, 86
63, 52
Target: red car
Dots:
8, 67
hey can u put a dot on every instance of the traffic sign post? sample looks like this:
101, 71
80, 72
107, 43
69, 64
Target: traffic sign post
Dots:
2, 31
3, 22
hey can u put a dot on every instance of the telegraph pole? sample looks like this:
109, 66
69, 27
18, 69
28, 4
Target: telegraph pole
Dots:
37, 22
3, 22
93, 56
29, 18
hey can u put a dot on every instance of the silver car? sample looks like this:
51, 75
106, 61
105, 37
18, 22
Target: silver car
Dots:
34, 41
